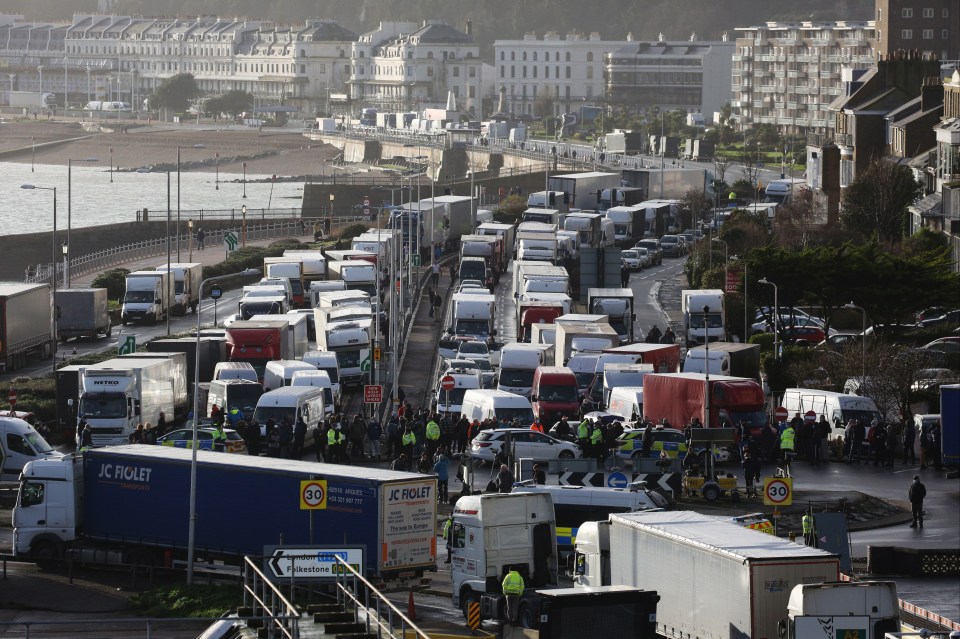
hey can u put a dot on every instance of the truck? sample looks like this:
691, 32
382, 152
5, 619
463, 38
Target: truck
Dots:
25, 324
147, 297
629, 222
700, 325
536, 247
83, 313
664, 357
67, 383
296, 327
950, 423
117, 394
617, 304
256, 343
743, 581
539, 277
550, 200
538, 215
535, 312
262, 303
69, 508
213, 350
518, 363
31, 99
313, 266
623, 196
678, 397
726, 358
473, 315
623, 141
669, 182
187, 277
356, 273
289, 268
583, 189
583, 338
867, 609
457, 215
352, 342
507, 234
659, 217
483, 246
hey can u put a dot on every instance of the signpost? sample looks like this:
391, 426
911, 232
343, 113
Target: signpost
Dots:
777, 491
230, 241
448, 383
373, 393
309, 563
781, 414
810, 416
128, 346
313, 494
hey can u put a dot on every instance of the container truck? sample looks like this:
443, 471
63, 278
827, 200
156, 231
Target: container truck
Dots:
536, 247
507, 234
213, 350
583, 189
457, 215
629, 222
83, 313
535, 312
664, 357
678, 397
531, 277
726, 358
537, 215
147, 297
187, 277
483, 246
583, 338
740, 579
31, 99
626, 142
289, 268
356, 273
313, 266
116, 505
257, 303
518, 363
474, 316
623, 196
700, 326
26, 326
351, 341
547, 200
257, 343
617, 304
117, 394
950, 424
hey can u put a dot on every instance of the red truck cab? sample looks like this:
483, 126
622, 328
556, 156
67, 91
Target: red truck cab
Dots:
554, 394
679, 397
535, 313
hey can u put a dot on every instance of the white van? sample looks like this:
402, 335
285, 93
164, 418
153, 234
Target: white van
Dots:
278, 373
291, 402
617, 375
838, 408
481, 404
241, 394
574, 505
326, 361
316, 379
20, 443
235, 370
518, 362
626, 402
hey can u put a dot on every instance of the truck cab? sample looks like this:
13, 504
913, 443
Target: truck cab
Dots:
554, 393
146, 297
20, 443
870, 607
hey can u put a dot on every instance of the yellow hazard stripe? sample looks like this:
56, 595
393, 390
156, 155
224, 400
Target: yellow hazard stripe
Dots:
762, 526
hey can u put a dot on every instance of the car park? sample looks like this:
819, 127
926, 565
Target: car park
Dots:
183, 438
525, 443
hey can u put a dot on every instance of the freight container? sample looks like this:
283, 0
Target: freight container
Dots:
726, 358
213, 350
679, 397
83, 313
25, 324
187, 277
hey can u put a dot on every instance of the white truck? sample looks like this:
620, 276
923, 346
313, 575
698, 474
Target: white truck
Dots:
536, 247
583, 338
594, 229
539, 277
473, 315
583, 189
726, 358
313, 266
117, 394
147, 297
187, 277
698, 326
616, 304
622, 375
740, 578
31, 99
518, 363
356, 273
629, 222
867, 609
289, 268
351, 341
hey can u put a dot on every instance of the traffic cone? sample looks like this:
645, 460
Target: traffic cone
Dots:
411, 608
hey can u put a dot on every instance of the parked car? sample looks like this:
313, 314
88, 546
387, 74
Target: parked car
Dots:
526, 444
948, 318
838, 341
803, 335
932, 378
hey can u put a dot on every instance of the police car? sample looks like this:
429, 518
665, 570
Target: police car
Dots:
183, 438
668, 440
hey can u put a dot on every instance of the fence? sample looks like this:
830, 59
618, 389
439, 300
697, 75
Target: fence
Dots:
380, 616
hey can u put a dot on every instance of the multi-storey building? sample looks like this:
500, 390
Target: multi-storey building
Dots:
693, 76
788, 73
558, 74
931, 27
405, 65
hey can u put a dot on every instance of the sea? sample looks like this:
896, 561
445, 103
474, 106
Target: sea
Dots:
95, 201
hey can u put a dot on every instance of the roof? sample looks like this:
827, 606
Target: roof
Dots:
930, 206
438, 32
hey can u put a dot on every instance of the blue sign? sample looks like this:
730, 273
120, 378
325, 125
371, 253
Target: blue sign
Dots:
617, 480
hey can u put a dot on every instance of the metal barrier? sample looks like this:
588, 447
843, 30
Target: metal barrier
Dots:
79, 628
260, 594
384, 617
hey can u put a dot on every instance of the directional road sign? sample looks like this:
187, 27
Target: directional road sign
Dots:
216, 292
617, 480
128, 346
448, 383
310, 563
777, 491
230, 239
415, 259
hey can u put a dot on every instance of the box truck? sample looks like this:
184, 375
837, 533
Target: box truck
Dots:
584, 188
31, 99
83, 313
617, 304
187, 277
213, 350
147, 297
679, 397
257, 343
726, 358
289, 268
700, 326
26, 328
128, 505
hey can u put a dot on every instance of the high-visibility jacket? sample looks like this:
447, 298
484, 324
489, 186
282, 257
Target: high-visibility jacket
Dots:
513, 583
234, 416
786, 438
596, 436
537, 426
334, 437
807, 523
582, 431
409, 439
219, 437
446, 529
433, 431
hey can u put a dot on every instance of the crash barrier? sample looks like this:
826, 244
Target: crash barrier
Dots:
914, 562
670, 482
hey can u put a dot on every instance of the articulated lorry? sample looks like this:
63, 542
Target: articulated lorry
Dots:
698, 326
584, 188
616, 304
31, 99
473, 315
726, 358
187, 277
665, 358
629, 222
129, 504
25, 324
212, 351
83, 313
147, 297
678, 397
117, 394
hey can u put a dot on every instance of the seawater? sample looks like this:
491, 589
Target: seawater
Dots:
95, 201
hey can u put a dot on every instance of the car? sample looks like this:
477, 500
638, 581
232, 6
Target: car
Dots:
653, 248
466, 284
928, 379
949, 345
932, 311
949, 318
449, 344
633, 259
526, 444
671, 245
183, 438
838, 341
690, 237
803, 335
473, 350
670, 440
488, 378
788, 317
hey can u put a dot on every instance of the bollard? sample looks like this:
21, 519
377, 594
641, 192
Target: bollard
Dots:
793, 536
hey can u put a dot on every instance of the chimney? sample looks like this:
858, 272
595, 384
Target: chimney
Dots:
469, 28
931, 93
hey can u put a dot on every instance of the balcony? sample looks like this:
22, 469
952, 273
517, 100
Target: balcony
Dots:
768, 88
737, 73
827, 75
780, 73
792, 106
767, 57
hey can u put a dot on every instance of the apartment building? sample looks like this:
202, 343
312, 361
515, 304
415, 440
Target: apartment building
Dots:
931, 27
788, 73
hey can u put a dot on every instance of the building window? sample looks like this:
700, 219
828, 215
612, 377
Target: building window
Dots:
429, 72
471, 91
513, 56
456, 72
524, 56
534, 56
567, 71
944, 34
928, 34
589, 73
906, 13
513, 71
589, 56
534, 71
567, 56
546, 72
503, 72
524, 71
472, 72
945, 13
906, 34
928, 12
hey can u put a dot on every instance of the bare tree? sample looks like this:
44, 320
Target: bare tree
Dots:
750, 159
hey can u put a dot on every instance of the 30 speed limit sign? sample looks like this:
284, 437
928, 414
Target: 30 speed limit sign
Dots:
777, 491
313, 494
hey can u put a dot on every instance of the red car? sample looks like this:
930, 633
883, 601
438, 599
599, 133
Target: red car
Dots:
803, 335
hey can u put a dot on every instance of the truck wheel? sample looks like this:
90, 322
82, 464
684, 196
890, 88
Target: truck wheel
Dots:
711, 492
46, 553
525, 617
466, 598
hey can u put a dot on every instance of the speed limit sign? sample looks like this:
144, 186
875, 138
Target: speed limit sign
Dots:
313, 494
777, 491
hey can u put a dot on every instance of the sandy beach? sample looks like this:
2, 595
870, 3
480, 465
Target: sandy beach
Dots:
281, 152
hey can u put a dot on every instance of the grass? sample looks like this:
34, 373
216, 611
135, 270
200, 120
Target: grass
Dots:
187, 601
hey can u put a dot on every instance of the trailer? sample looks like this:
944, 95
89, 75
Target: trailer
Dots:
584, 188
617, 304
668, 182
83, 313
678, 397
213, 350
25, 324
187, 277
117, 505
458, 215
726, 358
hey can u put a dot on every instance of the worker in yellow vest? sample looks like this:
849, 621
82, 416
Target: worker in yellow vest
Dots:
807, 522
512, 590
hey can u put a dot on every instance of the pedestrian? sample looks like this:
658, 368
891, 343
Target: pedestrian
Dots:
821, 431
85, 438
273, 439
908, 439
251, 436
216, 415
787, 447
624, 275
374, 433
504, 479
424, 464
751, 470
433, 298
219, 439
401, 463
653, 337
335, 444
878, 442
669, 337
161, 424
539, 476
408, 441
303, 226
299, 437
647, 441
855, 439
358, 431
807, 523
442, 470
136, 437
916, 495
285, 428
512, 591
448, 535
200, 238
435, 267
317, 231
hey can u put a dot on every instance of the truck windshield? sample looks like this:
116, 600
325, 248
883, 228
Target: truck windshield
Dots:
276, 413
138, 297
753, 420
557, 393
620, 229
520, 377
348, 359
473, 327
112, 406
864, 416
244, 397
714, 320
249, 309
523, 413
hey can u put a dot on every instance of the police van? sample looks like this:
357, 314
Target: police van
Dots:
574, 505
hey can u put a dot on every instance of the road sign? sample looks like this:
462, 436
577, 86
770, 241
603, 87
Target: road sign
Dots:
216, 292
781, 414
12, 398
230, 239
734, 281
306, 563
373, 393
365, 365
415, 259
448, 383
377, 354
313, 494
809, 416
128, 346
777, 491
617, 480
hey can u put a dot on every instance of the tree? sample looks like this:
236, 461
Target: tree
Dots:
876, 201
925, 241
232, 103
693, 208
175, 93
750, 158
795, 219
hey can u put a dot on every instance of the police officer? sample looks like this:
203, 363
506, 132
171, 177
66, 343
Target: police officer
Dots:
432, 434
787, 443
335, 442
807, 523
219, 439
596, 441
512, 590
583, 435
408, 442
448, 535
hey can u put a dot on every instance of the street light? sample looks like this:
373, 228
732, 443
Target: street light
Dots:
243, 226
244, 165
192, 527
66, 266
776, 318
53, 265
40, 71
190, 236
863, 341
706, 367
66, 274
217, 181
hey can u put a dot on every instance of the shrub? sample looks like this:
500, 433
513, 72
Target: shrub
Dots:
187, 601
353, 231
114, 280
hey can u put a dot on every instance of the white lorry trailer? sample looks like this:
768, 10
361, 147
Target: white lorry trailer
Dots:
356, 274
617, 305
583, 338
147, 297
187, 277
473, 315
700, 326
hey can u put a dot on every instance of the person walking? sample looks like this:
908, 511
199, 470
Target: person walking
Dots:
787, 447
821, 431
504, 479
512, 591
433, 299
200, 238
624, 275
916, 495
442, 470
435, 267
299, 437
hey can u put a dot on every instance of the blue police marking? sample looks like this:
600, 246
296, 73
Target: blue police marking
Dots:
617, 480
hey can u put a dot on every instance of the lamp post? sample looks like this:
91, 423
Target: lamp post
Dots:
40, 71
53, 266
190, 237
243, 225
863, 341
178, 202
111, 165
217, 164
776, 318
88, 83
192, 526
706, 368
244, 165
65, 80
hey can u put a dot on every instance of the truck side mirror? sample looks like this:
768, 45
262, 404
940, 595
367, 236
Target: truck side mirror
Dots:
69, 402
494, 332
533, 398
782, 629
